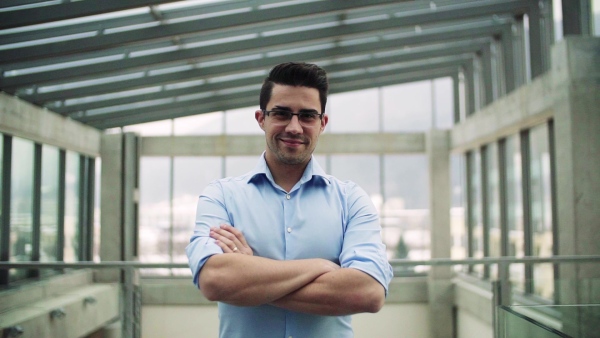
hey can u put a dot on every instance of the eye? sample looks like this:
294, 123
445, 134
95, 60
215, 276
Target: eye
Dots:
308, 116
281, 114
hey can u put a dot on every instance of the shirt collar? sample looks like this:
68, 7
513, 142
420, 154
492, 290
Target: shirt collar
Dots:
313, 169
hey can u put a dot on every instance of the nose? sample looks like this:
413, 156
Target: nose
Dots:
294, 126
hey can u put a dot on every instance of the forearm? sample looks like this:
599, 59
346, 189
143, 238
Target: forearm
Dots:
250, 280
340, 292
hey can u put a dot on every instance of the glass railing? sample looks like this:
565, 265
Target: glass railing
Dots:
528, 321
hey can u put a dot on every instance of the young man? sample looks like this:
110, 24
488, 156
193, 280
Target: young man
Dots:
287, 250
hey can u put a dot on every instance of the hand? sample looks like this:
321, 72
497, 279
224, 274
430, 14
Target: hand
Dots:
230, 239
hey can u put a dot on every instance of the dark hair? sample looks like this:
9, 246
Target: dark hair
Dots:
298, 74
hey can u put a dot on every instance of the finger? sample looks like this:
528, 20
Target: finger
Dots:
229, 237
223, 246
226, 243
238, 234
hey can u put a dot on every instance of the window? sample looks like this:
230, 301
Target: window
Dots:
475, 220
72, 221
21, 212
154, 210
514, 208
354, 112
458, 248
49, 204
541, 209
407, 107
491, 181
405, 209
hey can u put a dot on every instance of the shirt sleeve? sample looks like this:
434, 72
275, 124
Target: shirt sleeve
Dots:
363, 248
210, 212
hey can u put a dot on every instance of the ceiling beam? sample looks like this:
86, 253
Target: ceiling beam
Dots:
470, 31
442, 50
252, 99
167, 31
368, 76
69, 10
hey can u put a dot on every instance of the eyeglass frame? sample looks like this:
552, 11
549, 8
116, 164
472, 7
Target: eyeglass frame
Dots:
292, 114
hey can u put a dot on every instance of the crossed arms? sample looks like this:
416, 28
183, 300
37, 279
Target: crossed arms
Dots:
315, 286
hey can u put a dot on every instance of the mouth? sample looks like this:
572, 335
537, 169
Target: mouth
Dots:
294, 143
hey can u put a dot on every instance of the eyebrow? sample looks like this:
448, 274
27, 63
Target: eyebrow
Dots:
301, 110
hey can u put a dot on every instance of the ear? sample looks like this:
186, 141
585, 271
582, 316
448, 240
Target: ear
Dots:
324, 121
260, 118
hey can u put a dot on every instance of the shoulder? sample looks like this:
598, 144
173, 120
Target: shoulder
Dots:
228, 183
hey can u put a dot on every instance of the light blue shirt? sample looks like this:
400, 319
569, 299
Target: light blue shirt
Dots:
321, 217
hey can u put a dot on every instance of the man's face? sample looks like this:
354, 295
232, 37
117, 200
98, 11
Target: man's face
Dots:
291, 143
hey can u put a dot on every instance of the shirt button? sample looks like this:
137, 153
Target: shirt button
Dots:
287, 197
289, 229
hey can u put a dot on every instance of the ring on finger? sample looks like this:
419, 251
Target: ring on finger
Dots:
235, 249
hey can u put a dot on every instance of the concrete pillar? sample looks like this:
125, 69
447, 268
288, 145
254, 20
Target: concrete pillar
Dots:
118, 221
440, 287
576, 80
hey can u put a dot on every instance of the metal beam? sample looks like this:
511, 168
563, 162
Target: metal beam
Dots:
462, 11
167, 31
250, 96
369, 60
69, 10
466, 32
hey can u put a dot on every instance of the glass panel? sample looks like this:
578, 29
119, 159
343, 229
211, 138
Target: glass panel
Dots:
407, 107
1, 187
158, 128
541, 209
474, 209
596, 17
493, 206
405, 210
97, 187
443, 103
558, 19
360, 169
72, 186
516, 321
154, 211
49, 204
242, 121
457, 211
202, 124
239, 165
21, 202
190, 176
514, 200
354, 112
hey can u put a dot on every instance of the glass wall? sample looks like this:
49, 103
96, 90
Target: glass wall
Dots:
72, 222
397, 184
49, 204
405, 210
509, 203
21, 213
476, 231
514, 208
44, 203
491, 180
541, 209
155, 239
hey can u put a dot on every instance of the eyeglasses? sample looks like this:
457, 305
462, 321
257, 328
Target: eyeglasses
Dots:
307, 119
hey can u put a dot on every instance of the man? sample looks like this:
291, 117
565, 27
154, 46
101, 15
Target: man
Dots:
287, 250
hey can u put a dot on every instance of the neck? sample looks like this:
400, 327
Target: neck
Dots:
286, 175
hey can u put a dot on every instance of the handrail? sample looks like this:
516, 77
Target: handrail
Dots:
393, 262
